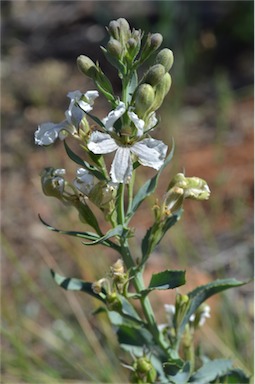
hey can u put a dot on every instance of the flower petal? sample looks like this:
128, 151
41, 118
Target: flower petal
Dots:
114, 116
101, 143
121, 169
139, 123
150, 152
47, 133
85, 101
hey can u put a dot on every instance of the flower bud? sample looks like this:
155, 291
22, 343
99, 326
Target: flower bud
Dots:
124, 26
113, 29
154, 74
87, 66
114, 48
166, 58
53, 183
113, 302
143, 365
156, 40
173, 200
161, 90
144, 99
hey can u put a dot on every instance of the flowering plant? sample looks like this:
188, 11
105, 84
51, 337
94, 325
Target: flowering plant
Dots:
158, 353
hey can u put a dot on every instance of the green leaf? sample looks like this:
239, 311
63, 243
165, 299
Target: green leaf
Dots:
203, 292
211, 371
117, 231
166, 280
98, 174
93, 237
132, 85
155, 234
72, 284
235, 376
149, 187
177, 374
88, 216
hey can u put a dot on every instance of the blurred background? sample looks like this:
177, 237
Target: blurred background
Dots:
50, 335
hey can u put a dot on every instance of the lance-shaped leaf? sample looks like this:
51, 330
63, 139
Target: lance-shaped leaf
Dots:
210, 371
72, 284
155, 234
78, 160
149, 187
202, 293
165, 280
93, 237
87, 215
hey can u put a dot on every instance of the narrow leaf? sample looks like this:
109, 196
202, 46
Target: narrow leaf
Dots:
72, 284
166, 280
181, 376
203, 292
211, 371
117, 231
93, 237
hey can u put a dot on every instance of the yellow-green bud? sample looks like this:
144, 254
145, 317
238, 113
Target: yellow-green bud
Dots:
143, 365
144, 98
114, 48
194, 187
113, 302
154, 74
166, 58
174, 200
87, 66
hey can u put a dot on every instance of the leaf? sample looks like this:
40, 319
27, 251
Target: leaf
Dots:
72, 284
203, 292
211, 371
235, 376
93, 237
98, 174
166, 280
155, 234
88, 216
117, 231
181, 376
132, 85
149, 187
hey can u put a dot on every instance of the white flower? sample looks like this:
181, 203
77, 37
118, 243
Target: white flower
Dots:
84, 181
149, 152
47, 133
204, 314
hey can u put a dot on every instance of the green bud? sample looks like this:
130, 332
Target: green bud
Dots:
166, 58
114, 48
143, 365
161, 90
144, 99
113, 302
156, 40
154, 74
87, 66
131, 44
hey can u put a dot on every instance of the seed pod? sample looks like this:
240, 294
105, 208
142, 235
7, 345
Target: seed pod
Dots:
166, 58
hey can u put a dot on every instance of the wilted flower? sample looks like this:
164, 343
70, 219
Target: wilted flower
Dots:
47, 133
84, 181
53, 182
